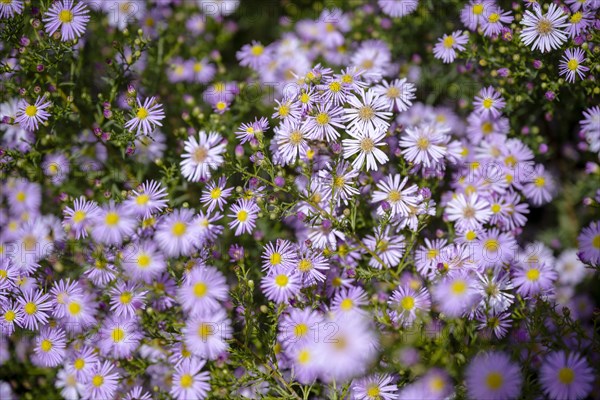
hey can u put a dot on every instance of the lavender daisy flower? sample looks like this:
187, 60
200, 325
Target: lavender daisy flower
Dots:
589, 244
143, 262
447, 46
280, 285
366, 145
531, 279
112, 224
253, 55
206, 335
349, 301
398, 94
202, 155
8, 9
544, 31
102, 381
474, 13
216, 194
126, 299
311, 265
540, 186
148, 199
282, 254
566, 376
494, 20
339, 182
296, 327
398, 8
137, 393
367, 113
489, 102
204, 287
10, 314
455, 295
56, 167
468, 212
69, 18
189, 382
50, 346
245, 212
29, 116
203, 71
425, 144
82, 361
147, 117
119, 337
493, 376
68, 383
35, 305
580, 22
571, 64
389, 248
322, 125
405, 302
175, 234
375, 387
400, 199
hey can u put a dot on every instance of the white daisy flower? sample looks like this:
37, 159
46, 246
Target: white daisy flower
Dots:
202, 155
365, 144
544, 32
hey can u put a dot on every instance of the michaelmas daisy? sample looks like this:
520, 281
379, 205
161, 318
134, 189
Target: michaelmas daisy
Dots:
202, 155
147, 116
70, 18
566, 376
29, 116
493, 376
571, 64
544, 31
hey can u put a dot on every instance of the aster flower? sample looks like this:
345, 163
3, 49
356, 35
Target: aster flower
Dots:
112, 224
566, 376
447, 46
392, 191
322, 124
29, 116
389, 248
473, 13
531, 279
339, 182
291, 138
61, 292
82, 361
490, 323
8, 9
405, 302
571, 64
69, 385
374, 58
455, 295
589, 244
469, 211
544, 31
204, 287
425, 144
203, 71
102, 382
398, 93
245, 212
126, 299
280, 285
580, 22
494, 290
494, 20
493, 376
148, 199
56, 167
367, 113
174, 234
50, 346
35, 305
540, 186
398, 8
79, 218
489, 102
366, 145
253, 55
282, 254
189, 382
147, 116
202, 155
70, 18
349, 301
119, 337
206, 335
324, 236
10, 314
375, 387
216, 194
311, 265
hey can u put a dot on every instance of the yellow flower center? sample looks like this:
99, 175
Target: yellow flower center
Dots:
74, 308
78, 216
366, 113
566, 376
143, 260
539, 181
125, 297
335, 86
97, 380
198, 67
303, 357
448, 42
422, 143
533, 274
46, 345
491, 245
275, 258
79, 364
30, 308
215, 193
242, 215
573, 64
373, 391
205, 330
304, 98
178, 229
186, 381
257, 50
300, 330
596, 242
393, 92
478, 9
494, 17
367, 144
544, 26
200, 289
10, 316
488, 102
458, 287
394, 196
142, 199
432, 253
494, 380
118, 335
142, 113
577, 17
322, 118
65, 16
31, 111
112, 218
221, 105
346, 304
408, 303
305, 265
284, 110
281, 280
